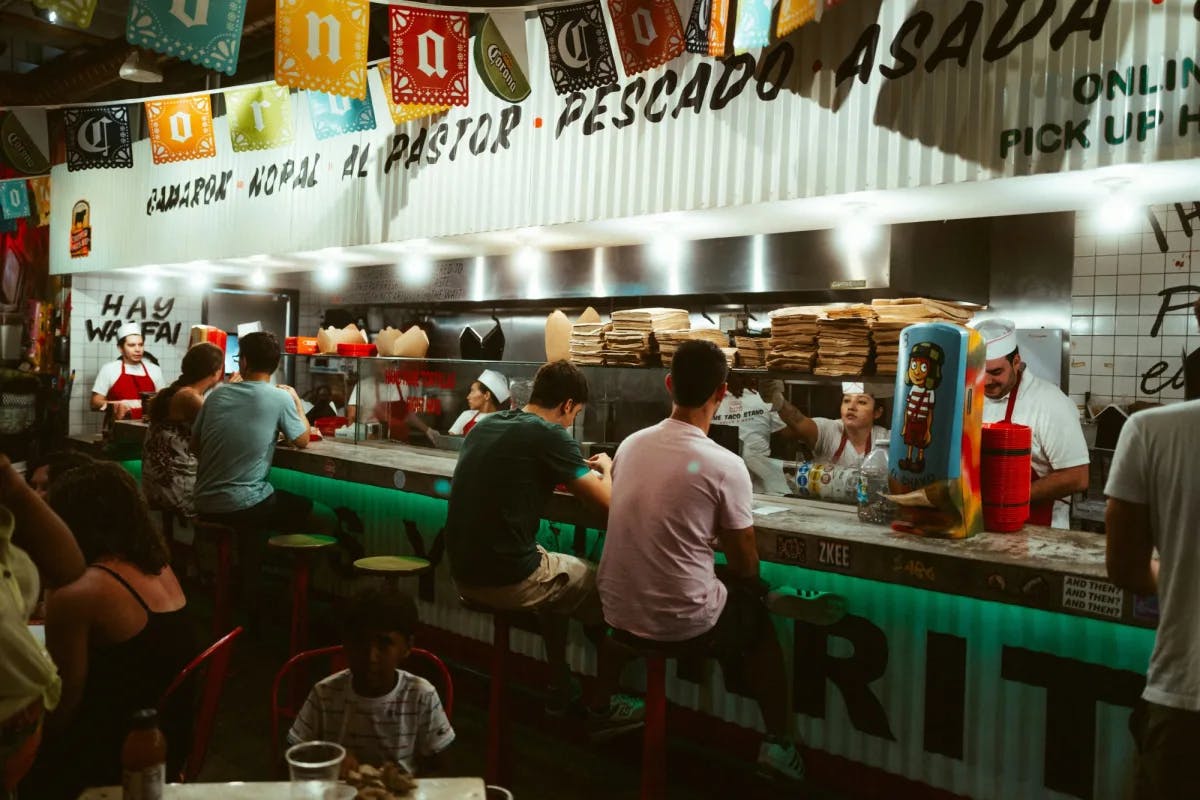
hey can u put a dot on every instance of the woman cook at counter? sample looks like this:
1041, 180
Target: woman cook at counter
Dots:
123, 381
488, 395
846, 441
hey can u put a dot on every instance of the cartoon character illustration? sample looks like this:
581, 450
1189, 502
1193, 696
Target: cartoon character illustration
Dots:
924, 375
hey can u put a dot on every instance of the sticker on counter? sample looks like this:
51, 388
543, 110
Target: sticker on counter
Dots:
1145, 607
1095, 597
791, 549
399, 479
833, 554
767, 510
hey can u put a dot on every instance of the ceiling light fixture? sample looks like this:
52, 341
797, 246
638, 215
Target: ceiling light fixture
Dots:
141, 67
258, 279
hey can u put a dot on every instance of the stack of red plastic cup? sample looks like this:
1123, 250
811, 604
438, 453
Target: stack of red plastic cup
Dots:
1005, 475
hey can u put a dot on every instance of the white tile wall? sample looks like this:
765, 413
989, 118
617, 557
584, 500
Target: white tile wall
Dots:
1115, 302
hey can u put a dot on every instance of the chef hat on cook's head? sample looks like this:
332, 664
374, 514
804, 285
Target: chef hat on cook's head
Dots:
879, 390
128, 329
496, 383
245, 328
1000, 335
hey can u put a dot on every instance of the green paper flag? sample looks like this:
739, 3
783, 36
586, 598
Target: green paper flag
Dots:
260, 117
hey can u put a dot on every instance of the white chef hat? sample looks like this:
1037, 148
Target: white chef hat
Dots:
1000, 335
246, 328
128, 329
880, 390
496, 383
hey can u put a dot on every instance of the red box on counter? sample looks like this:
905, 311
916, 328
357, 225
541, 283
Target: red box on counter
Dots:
357, 350
207, 333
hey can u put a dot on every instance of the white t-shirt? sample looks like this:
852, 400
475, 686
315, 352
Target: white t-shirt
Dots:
111, 371
1156, 460
674, 489
1058, 441
755, 421
829, 439
406, 722
459, 424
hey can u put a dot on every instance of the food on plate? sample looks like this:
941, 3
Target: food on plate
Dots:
387, 783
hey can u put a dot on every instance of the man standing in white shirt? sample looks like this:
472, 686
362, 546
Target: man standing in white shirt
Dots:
1060, 453
1152, 504
123, 381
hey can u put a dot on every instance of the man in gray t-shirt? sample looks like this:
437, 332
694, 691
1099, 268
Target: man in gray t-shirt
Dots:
1153, 505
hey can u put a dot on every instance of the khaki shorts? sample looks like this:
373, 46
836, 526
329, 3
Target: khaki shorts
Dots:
561, 584
1166, 744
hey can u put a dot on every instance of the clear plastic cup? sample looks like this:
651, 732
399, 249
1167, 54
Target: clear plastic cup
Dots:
314, 768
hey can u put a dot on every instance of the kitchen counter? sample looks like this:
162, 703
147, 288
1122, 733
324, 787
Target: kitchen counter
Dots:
1052, 570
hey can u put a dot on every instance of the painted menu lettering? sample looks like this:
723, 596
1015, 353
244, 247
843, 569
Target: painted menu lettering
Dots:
156, 325
834, 554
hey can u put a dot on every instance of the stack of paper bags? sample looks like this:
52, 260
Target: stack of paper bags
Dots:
649, 320
752, 351
587, 342
669, 341
631, 341
844, 340
895, 315
793, 338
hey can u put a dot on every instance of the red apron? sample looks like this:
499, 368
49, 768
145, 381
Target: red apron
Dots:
1039, 513
471, 424
837, 455
130, 387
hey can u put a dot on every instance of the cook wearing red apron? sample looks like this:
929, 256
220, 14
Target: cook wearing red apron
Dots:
130, 387
116, 383
1039, 513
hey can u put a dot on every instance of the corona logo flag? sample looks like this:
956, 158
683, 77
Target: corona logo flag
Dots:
405, 112
205, 32
322, 45
260, 117
181, 129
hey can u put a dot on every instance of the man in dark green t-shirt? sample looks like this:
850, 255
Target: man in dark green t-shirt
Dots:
507, 470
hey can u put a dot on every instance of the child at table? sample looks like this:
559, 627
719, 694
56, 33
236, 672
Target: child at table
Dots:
380, 713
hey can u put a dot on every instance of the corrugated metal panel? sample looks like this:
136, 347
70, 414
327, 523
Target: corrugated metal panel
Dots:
814, 139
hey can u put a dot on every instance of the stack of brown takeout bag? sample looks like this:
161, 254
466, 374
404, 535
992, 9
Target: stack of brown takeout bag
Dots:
894, 315
752, 351
844, 340
669, 341
631, 340
793, 338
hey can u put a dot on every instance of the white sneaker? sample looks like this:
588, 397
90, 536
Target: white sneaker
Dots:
781, 760
807, 605
624, 714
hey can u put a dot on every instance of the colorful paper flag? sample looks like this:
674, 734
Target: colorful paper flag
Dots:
98, 138
649, 32
332, 115
14, 199
577, 38
205, 32
501, 57
708, 28
181, 128
78, 12
260, 117
40, 187
322, 45
430, 50
404, 112
794, 14
753, 26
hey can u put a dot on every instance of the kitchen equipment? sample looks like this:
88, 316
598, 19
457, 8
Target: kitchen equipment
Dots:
11, 334
1004, 474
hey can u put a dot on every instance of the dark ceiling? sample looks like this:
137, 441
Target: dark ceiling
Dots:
44, 63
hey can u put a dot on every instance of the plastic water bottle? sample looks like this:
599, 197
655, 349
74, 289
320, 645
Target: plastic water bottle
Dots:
873, 485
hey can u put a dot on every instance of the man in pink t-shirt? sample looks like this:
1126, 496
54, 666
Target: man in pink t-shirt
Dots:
676, 495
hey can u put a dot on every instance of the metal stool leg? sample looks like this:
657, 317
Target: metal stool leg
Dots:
499, 762
299, 632
654, 739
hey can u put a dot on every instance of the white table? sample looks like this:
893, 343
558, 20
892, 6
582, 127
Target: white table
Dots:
427, 789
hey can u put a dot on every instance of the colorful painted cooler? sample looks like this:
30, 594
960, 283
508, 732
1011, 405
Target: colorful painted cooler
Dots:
936, 426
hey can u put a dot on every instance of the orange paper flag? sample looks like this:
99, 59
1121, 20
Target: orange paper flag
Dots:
794, 14
181, 128
322, 44
404, 112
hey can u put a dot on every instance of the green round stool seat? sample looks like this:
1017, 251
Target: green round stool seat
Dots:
301, 541
393, 566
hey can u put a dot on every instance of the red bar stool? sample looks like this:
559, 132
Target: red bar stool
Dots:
301, 546
498, 769
222, 536
654, 737
393, 568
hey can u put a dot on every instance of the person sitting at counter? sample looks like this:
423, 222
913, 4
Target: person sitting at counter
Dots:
1060, 453
234, 438
168, 464
42, 471
487, 396
506, 474
675, 493
846, 441
121, 383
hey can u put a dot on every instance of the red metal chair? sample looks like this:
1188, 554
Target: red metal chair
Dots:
216, 660
440, 679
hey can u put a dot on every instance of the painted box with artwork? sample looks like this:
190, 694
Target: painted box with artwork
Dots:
936, 423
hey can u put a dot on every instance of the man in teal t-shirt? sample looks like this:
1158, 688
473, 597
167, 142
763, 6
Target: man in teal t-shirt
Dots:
507, 471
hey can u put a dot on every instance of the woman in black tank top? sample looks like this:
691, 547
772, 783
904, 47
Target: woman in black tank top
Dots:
119, 635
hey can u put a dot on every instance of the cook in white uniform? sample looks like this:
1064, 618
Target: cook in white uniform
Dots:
756, 419
121, 382
1060, 454
846, 441
489, 394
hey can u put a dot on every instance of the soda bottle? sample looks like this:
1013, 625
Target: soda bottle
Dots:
144, 758
873, 507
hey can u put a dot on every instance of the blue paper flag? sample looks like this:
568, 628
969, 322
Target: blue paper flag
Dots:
332, 115
205, 32
14, 199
